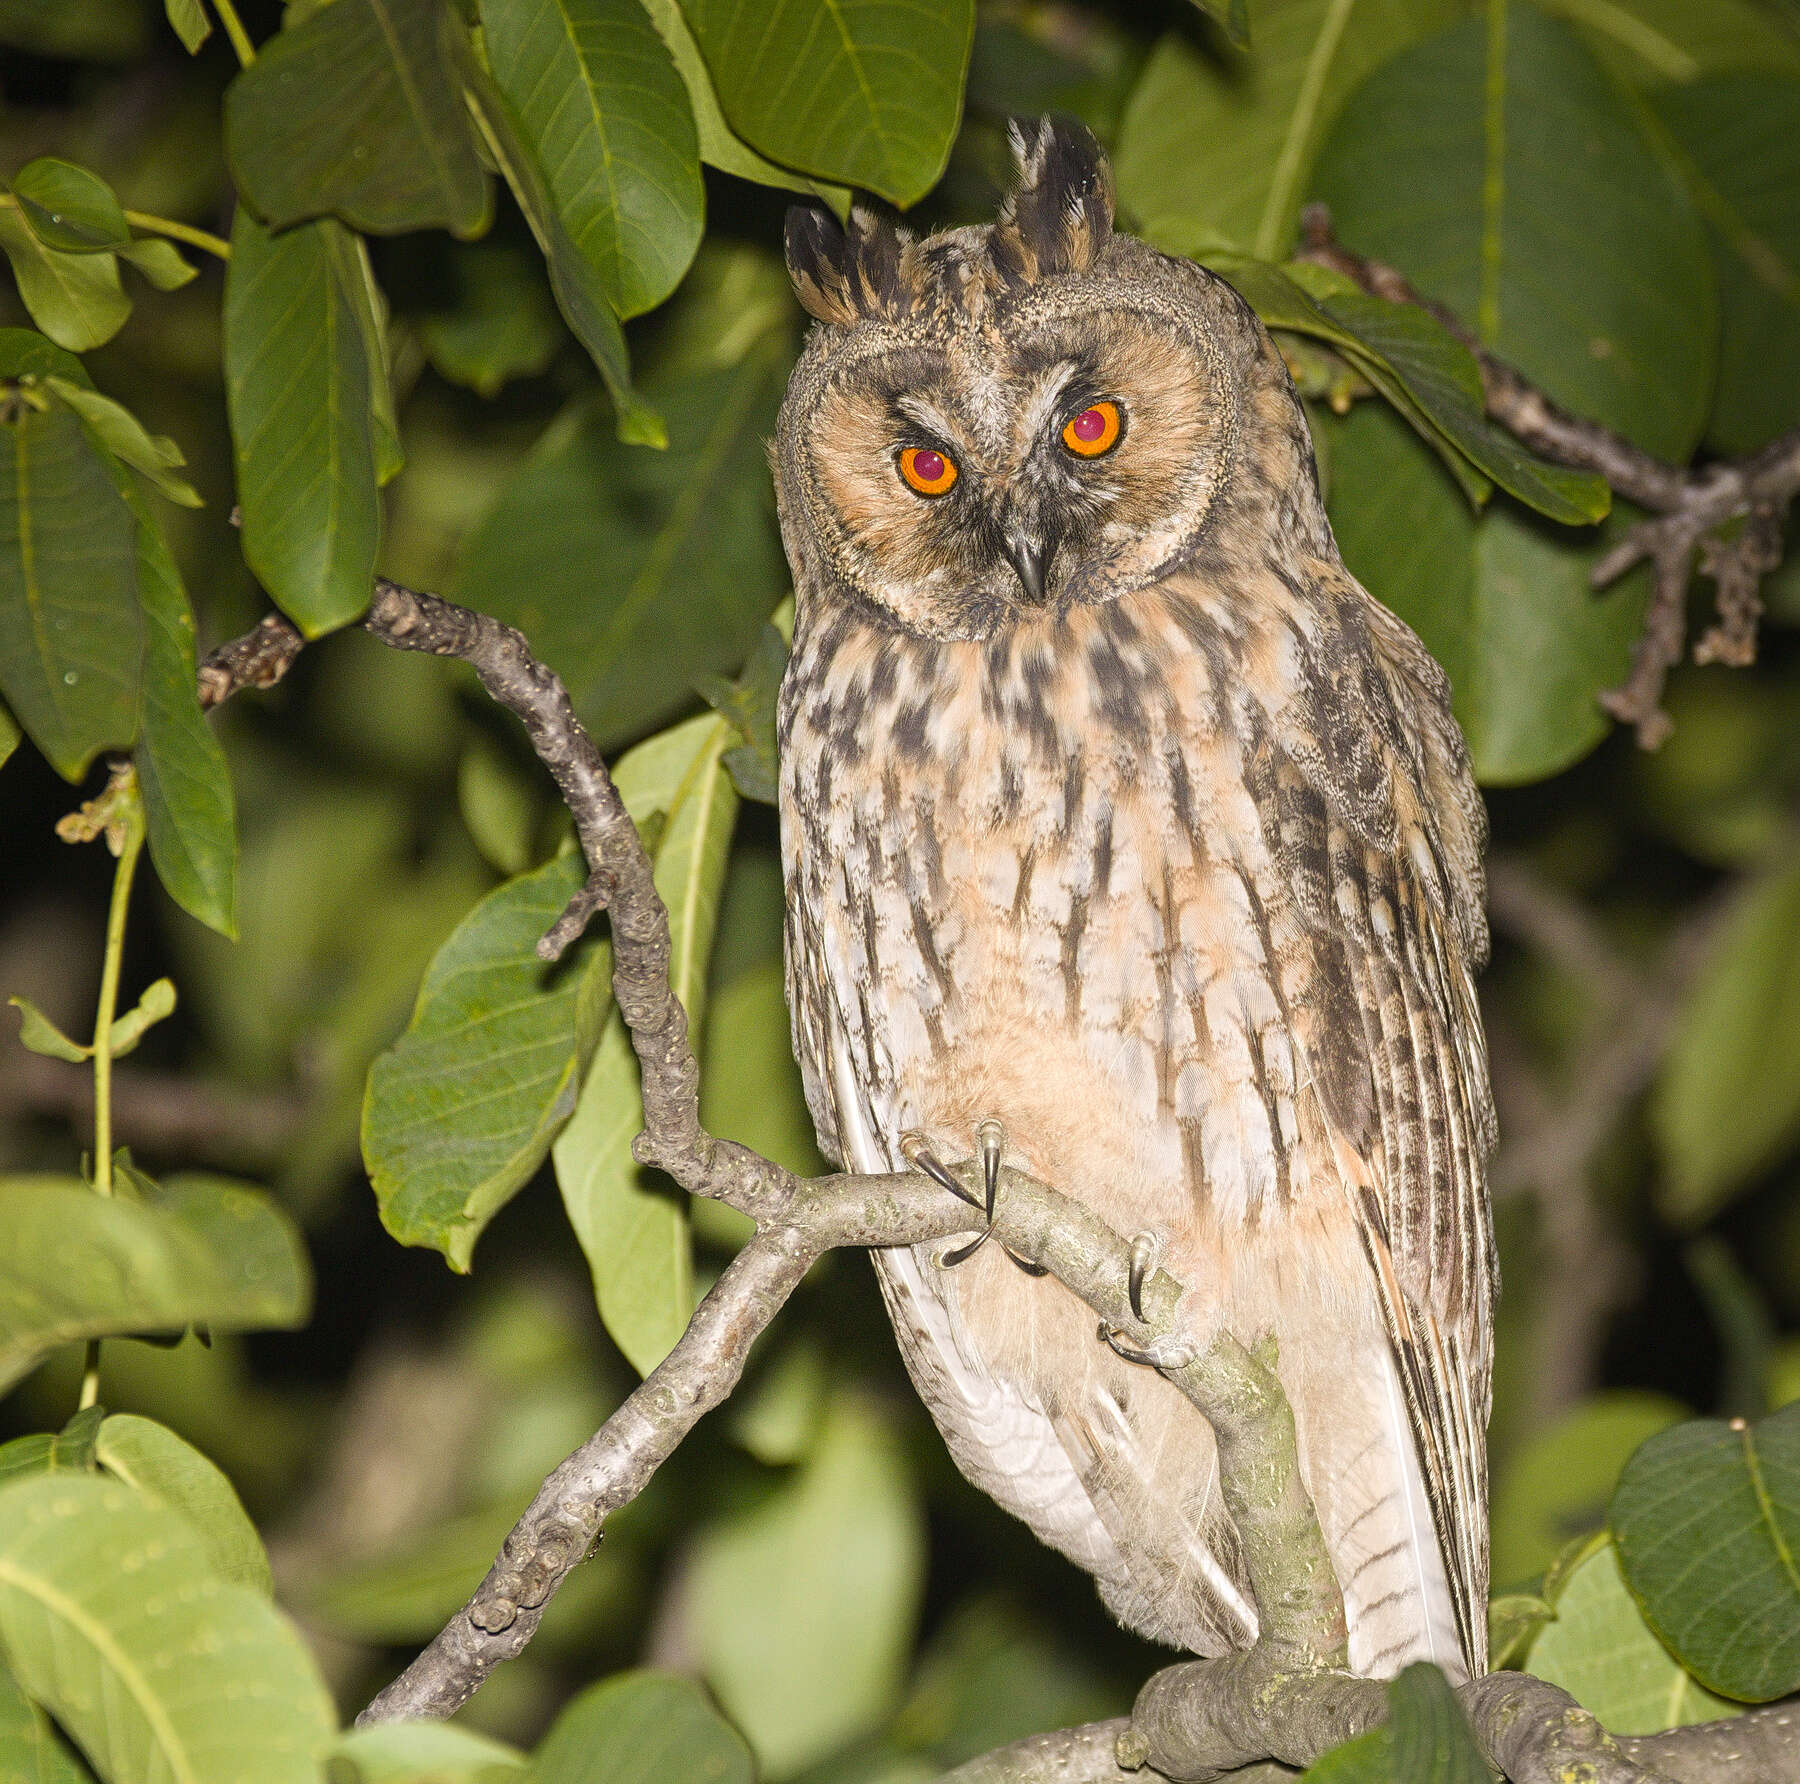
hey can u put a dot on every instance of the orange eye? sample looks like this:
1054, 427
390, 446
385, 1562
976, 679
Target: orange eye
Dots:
1093, 431
930, 473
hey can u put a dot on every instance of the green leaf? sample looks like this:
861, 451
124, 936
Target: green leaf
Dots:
833, 1560
1232, 17
574, 280
633, 1223
68, 208
421, 1753
1217, 149
299, 386
191, 25
1737, 138
498, 322
71, 640
120, 432
355, 109
113, 1620
1599, 1649
38, 1034
749, 1084
461, 1110
1707, 1522
189, 810
1503, 601
500, 808
776, 1416
749, 703
157, 1002
1728, 1098
76, 1265
1555, 1485
169, 1471
76, 299
26, 355
1514, 1620
10, 735
160, 262
641, 1728
692, 562
1497, 149
356, 277
1652, 42
720, 147
68, 1451
866, 92
599, 96
31, 1751
1425, 1740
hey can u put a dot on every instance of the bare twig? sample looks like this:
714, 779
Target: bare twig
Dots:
1690, 510
257, 660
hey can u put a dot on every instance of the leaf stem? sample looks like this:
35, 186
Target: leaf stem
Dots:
181, 232
127, 837
234, 29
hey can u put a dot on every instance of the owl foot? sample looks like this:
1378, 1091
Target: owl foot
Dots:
990, 1142
1145, 1248
920, 1156
1166, 1352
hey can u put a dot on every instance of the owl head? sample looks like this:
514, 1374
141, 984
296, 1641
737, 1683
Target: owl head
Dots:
997, 422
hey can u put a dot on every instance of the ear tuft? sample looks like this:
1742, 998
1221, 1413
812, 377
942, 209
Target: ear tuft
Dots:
846, 276
1060, 217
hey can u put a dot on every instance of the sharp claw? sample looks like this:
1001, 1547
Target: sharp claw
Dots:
990, 1136
963, 1253
1143, 1255
1025, 1263
920, 1156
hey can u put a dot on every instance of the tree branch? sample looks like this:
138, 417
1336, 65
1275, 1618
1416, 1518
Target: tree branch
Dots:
1690, 510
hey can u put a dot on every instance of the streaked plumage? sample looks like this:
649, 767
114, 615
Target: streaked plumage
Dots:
1176, 872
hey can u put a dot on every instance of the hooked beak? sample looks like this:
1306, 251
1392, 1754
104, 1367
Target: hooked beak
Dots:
1030, 558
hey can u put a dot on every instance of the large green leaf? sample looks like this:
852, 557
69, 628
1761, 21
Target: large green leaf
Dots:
76, 299
632, 573
641, 1728
112, 1618
1216, 149
833, 1561
462, 1108
600, 98
1425, 1740
355, 109
1737, 137
1503, 601
71, 638
31, 1751
1707, 1520
1503, 173
632, 1223
1654, 42
1728, 1098
299, 385
866, 92
167, 1469
76, 1265
68, 207
1600, 1650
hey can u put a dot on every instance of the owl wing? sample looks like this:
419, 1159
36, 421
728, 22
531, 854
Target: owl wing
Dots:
1380, 829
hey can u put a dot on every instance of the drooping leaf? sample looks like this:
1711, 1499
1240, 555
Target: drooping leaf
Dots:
68, 1451
71, 640
112, 1618
834, 1560
38, 1034
160, 262
1425, 1740
1502, 602
31, 1751
497, 324
632, 1223
599, 96
421, 1753
1707, 1522
190, 23
462, 1108
1737, 137
1217, 150
69, 208
170, 1471
76, 299
631, 573
127, 1030
76, 1265
641, 1728
1494, 151
356, 278
299, 387
865, 92
1728, 1097
355, 109
125, 437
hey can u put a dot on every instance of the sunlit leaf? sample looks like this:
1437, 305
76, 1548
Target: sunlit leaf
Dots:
76, 299
113, 1619
1707, 1522
598, 94
641, 1728
1425, 1740
355, 109
68, 207
299, 386
167, 1469
866, 92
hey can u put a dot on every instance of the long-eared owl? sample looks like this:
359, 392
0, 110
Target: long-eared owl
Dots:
1113, 808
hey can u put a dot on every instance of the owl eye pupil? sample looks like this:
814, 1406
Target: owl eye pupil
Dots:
1089, 425
929, 465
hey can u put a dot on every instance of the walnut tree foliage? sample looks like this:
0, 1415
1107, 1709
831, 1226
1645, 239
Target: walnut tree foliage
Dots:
486, 296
